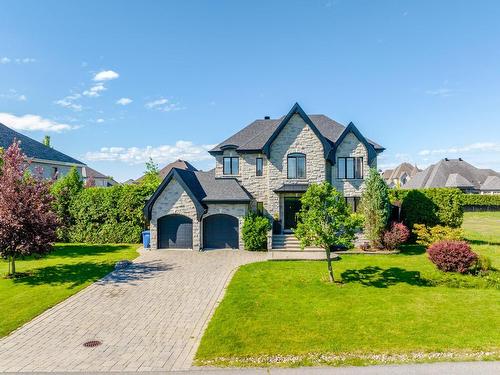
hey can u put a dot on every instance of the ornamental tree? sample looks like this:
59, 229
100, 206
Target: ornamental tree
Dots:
27, 223
325, 221
152, 174
375, 207
65, 190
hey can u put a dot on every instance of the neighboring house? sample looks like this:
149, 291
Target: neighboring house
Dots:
95, 178
179, 164
49, 161
400, 175
457, 173
265, 167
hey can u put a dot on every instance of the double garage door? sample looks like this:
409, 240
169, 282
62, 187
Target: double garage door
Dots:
219, 231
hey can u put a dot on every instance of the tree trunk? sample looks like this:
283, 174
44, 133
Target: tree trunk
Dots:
13, 269
8, 268
329, 260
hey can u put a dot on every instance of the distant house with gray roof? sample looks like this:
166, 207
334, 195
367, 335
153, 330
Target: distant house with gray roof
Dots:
94, 178
264, 168
50, 162
400, 175
457, 173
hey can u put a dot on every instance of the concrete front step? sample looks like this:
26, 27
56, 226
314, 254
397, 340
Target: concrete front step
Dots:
288, 242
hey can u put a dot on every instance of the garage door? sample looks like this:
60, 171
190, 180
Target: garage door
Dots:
175, 232
220, 231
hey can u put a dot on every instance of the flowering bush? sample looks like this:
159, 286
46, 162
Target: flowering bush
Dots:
397, 235
452, 256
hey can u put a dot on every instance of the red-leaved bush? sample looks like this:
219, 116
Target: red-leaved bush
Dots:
452, 256
397, 235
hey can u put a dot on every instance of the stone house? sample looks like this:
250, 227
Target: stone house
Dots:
265, 167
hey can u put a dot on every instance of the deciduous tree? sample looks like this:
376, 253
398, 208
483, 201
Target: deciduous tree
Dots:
375, 206
27, 222
326, 221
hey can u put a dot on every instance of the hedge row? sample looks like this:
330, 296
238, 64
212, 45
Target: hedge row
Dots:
431, 207
109, 215
481, 200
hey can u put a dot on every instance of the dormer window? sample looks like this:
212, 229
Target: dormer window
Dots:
231, 165
296, 166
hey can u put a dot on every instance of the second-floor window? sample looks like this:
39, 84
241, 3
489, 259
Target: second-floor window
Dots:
231, 165
296, 166
350, 168
259, 166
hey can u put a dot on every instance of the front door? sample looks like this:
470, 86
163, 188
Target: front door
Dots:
291, 207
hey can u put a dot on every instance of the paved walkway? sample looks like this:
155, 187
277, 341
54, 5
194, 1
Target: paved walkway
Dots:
149, 317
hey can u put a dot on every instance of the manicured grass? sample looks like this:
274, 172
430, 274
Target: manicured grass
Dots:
284, 313
483, 231
48, 281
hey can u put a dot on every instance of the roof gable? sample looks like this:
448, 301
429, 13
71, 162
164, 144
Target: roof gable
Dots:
296, 109
351, 128
190, 186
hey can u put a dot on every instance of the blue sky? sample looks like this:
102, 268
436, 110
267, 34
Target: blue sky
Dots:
115, 82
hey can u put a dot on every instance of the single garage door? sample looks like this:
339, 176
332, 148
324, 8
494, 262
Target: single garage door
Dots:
220, 231
175, 232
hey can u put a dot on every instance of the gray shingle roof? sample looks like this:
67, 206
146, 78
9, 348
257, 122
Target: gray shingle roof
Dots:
254, 136
491, 183
221, 189
410, 170
32, 148
450, 173
180, 164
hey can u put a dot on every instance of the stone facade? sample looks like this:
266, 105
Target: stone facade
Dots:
351, 146
174, 200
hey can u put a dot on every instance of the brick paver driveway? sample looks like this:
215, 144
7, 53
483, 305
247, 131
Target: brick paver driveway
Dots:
149, 316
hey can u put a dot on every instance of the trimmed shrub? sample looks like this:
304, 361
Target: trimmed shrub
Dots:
428, 235
430, 206
481, 200
106, 215
452, 256
397, 235
254, 231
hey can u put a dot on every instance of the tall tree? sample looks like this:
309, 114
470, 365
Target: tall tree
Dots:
27, 222
325, 221
152, 174
65, 190
375, 206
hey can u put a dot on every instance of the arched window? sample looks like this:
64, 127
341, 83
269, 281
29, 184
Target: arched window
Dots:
296, 165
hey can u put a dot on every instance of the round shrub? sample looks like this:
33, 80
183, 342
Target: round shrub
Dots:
397, 235
452, 256
254, 232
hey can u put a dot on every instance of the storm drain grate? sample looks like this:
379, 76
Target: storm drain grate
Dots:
92, 343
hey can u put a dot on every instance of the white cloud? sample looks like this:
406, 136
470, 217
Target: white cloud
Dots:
106, 75
23, 60
69, 102
185, 150
473, 147
99, 120
33, 123
94, 91
441, 92
124, 101
14, 95
164, 105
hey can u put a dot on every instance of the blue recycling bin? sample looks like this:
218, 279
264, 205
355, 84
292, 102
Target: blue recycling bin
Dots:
146, 237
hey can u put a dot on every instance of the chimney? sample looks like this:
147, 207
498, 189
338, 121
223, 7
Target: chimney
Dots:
460, 159
46, 140
446, 159
267, 117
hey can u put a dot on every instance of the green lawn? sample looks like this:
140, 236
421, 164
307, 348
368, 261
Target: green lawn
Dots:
48, 281
286, 313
